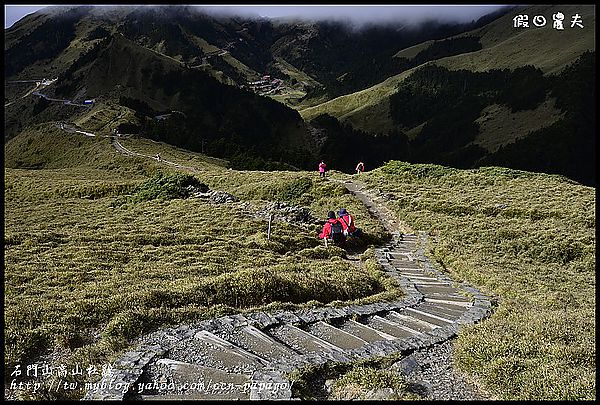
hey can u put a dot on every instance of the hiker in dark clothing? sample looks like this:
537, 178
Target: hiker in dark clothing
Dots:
333, 230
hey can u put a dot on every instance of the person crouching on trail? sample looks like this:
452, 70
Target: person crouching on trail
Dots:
348, 224
322, 168
333, 230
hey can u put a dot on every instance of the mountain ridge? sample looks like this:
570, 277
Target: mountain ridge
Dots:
165, 59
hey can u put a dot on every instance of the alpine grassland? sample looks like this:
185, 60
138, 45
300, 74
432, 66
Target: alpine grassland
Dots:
101, 248
527, 240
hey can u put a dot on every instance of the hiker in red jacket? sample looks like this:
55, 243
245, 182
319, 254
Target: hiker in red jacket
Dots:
333, 229
348, 223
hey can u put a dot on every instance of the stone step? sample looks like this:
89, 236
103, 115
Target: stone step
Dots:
413, 272
401, 256
405, 265
421, 277
463, 301
445, 313
335, 336
302, 341
170, 379
447, 290
410, 322
389, 327
209, 350
255, 341
445, 297
426, 316
426, 283
364, 332
403, 249
446, 306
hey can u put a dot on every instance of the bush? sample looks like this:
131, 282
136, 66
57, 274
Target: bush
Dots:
164, 187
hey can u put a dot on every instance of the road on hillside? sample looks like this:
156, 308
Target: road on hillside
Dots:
120, 148
39, 85
60, 100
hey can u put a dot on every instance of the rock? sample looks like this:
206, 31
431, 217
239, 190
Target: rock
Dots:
407, 365
200, 188
329, 385
220, 197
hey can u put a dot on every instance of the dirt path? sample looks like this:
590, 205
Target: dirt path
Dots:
376, 206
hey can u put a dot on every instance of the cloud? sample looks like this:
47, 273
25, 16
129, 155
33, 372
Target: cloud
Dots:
362, 14
356, 14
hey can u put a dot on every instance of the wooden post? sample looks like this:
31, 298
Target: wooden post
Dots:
269, 231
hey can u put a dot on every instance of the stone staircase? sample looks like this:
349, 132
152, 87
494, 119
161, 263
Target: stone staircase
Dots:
249, 356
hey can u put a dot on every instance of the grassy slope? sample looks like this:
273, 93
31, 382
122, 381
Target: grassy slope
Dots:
536, 255
346, 105
414, 50
293, 72
508, 47
503, 47
174, 154
246, 71
131, 268
499, 126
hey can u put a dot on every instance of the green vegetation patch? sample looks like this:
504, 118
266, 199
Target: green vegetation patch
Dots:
363, 379
165, 187
526, 239
360, 380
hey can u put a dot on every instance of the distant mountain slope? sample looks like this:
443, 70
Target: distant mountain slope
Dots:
545, 48
223, 120
336, 59
503, 46
451, 118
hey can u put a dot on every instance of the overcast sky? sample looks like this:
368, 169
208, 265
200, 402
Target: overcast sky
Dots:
355, 13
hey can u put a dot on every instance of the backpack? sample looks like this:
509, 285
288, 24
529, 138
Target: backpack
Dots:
337, 232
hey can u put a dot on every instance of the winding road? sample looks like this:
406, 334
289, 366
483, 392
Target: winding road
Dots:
120, 148
39, 84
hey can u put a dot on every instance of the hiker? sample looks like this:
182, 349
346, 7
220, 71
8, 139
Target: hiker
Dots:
348, 224
322, 168
360, 167
333, 230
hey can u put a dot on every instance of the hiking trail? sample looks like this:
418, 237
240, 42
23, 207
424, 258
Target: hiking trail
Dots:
248, 356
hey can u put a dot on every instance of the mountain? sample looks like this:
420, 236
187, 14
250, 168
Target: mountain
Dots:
253, 131
463, 95
467, 100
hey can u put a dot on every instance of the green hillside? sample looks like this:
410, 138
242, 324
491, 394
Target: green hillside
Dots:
502, 47
450, 119
227, 122
106, 230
